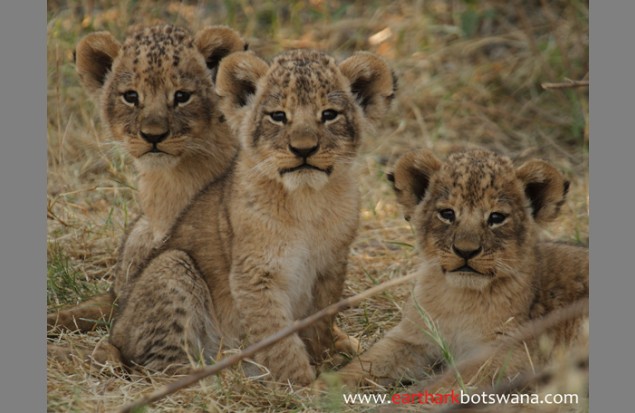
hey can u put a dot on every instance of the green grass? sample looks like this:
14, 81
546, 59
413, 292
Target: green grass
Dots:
65, 284
433, 333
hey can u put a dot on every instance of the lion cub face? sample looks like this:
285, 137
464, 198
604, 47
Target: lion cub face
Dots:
156, 89
475, 214
301, 118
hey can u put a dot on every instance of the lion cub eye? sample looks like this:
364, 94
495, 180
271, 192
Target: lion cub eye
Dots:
131, 97
496, 218
181, 97
329, 114
278, 116
447, 215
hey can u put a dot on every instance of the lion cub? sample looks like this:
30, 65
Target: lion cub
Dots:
486, 272
157, 99
267, 243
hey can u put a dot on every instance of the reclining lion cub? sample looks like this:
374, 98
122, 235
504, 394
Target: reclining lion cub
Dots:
486, 272
157, 98
267, 243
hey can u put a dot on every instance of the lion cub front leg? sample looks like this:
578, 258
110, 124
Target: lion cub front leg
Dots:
165, 323
84, 317
265, 308
391, 360
324, 340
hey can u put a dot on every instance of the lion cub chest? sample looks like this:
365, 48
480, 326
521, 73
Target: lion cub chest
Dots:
304, 244
300, 263
307, 254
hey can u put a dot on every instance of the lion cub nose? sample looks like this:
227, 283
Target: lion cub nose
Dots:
466, 254
303, 152
153, 137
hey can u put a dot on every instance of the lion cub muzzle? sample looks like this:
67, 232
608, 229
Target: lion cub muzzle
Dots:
466, 249
154, 129
303, 144
466, 255
303, 153
465, 266
154, 124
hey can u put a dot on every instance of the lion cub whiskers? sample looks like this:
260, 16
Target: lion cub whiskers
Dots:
268, 242
486, 272
156, 96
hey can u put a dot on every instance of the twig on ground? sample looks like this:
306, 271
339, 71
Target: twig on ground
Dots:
264, 343
565, 85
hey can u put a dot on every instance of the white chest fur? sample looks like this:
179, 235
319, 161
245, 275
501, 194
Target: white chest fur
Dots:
309, 253
314, 243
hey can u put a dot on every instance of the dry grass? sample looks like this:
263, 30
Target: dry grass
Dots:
469, 74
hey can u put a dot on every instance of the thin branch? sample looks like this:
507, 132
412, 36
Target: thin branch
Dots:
527, 331
565, 85
264, 343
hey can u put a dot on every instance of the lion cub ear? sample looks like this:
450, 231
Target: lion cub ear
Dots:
238, 76
216, 42
372, 82
93, 57
411, 178
545, 188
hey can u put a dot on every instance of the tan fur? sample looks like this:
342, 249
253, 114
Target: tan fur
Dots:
156, 62
266, 244
482, 276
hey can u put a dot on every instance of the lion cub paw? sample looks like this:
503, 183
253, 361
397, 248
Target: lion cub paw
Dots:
345, 343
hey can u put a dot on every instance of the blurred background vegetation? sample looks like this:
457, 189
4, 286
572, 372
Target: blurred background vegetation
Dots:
469, 73
469, 70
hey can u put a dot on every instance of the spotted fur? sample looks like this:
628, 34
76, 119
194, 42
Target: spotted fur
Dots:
485, 270
178, 144
268, 242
